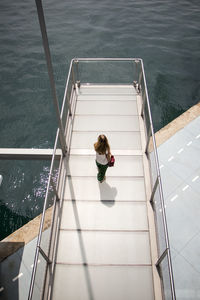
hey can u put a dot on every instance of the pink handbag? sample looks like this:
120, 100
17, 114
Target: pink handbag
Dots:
112, 161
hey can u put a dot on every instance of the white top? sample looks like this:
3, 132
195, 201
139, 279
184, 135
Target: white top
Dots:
101, 159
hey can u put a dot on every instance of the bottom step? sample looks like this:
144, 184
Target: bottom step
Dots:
103, 283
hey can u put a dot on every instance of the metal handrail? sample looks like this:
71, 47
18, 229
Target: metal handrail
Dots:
107, 59
42, 220
38, 249
161, 191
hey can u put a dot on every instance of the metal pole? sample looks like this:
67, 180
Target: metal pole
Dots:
50, 72
42, 223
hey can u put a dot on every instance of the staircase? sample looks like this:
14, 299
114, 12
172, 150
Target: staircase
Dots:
104, 246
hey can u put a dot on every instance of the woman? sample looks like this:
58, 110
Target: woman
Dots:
103, 156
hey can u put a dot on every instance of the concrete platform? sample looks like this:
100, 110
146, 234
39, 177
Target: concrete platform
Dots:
180, 173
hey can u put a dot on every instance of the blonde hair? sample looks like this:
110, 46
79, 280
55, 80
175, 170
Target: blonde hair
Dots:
102, 145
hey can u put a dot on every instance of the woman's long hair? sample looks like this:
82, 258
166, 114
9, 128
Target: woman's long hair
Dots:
102, 146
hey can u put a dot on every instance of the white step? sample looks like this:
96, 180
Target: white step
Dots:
114, 188
107, 97
106, 108
105, 89
103, 283
115, 152
103, 247
104, 123
118, 140
84, 165
104, 215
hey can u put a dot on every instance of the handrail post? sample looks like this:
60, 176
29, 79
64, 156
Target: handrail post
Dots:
54, 189
148, 141
162, 257
77, 69
136, 61
44, 255
50, 72
154, 190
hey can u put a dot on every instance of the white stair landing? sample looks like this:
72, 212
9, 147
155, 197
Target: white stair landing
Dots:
106, 108
84, 165
104, 215
104, 242
128, 140
103, 282
103, 247
114, 188
114, 123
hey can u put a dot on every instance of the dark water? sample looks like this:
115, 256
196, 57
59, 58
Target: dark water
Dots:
166, 34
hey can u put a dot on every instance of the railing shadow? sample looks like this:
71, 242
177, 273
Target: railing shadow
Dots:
80, 237
107, 194
10, 262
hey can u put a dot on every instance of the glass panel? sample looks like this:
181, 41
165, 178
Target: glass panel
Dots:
164, 271
153, 169
147, 119
159, 222
107, 72
142, 86
46, 231
67, 100
39, 278
75, 70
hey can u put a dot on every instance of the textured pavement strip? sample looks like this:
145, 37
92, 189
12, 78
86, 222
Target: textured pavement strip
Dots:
195, 178
172, 157
185, 187
181, 150
173, 198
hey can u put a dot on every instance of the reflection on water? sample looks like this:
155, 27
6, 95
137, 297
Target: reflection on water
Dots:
22, 193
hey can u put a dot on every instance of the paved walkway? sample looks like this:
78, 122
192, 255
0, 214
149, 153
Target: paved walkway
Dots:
180, 171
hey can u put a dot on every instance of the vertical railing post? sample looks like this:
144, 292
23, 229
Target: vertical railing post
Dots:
77, 70
50, 72
148, 141
142, 106
154, 190
136, 61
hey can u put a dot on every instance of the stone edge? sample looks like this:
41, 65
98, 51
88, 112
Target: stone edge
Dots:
23, 235
177, 124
